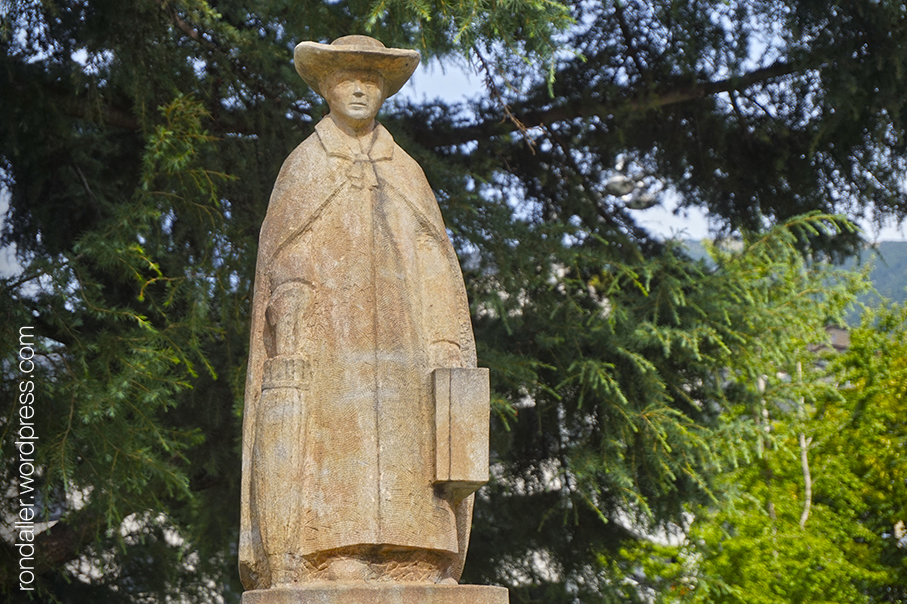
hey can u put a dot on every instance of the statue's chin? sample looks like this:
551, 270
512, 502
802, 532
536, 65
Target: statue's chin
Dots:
348, 122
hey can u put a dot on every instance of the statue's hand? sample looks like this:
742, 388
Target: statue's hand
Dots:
287, 307
444, 353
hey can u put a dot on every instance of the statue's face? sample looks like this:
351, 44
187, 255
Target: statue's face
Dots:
355, 96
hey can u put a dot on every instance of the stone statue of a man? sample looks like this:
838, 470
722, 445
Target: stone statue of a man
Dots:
364, 431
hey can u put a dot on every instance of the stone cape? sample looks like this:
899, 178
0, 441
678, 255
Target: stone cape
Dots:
338, 454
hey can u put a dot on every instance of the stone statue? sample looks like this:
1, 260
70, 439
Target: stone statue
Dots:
366, 420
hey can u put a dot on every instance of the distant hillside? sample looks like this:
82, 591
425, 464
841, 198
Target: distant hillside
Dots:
889, 266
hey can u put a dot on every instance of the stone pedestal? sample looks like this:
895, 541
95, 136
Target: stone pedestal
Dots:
379, 593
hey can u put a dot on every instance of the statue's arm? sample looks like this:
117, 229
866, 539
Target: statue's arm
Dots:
460, 389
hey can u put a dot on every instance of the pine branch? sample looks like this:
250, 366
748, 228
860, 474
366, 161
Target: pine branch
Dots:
210, 44
64, 542
185, 27
592, 107
621, 16
527, 116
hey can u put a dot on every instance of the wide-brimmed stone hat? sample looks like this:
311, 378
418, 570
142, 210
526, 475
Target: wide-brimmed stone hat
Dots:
315, 62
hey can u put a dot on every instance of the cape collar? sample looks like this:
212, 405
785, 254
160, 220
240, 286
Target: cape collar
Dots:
336, 142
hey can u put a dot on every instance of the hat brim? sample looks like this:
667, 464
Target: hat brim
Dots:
315, 62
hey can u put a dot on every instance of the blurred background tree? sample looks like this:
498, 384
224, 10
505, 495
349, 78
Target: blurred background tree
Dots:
819, 515
139, 142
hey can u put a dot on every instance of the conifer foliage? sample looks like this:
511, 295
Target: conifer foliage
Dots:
138, 145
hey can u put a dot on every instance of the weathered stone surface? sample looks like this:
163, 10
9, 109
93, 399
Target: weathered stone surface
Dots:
380, 594
461, 428
316, 62
358, 300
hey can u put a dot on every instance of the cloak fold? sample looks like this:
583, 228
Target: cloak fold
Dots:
358, 297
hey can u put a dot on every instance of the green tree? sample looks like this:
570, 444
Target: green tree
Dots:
661, 400
819, 516
139, 141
